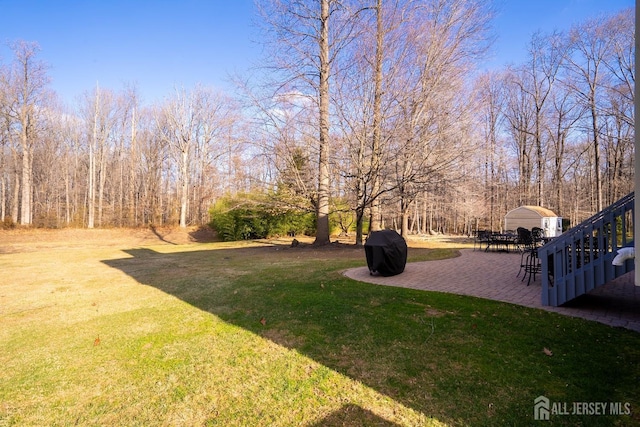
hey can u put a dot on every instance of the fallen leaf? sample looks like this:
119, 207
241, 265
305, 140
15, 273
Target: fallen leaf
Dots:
547, 351
263, 321
96, 342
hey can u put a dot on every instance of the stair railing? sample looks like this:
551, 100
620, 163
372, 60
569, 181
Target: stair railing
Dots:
580, 259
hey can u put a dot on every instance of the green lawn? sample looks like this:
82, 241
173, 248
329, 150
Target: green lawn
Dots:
252, 334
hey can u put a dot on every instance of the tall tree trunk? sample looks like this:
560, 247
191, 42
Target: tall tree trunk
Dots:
404, 216
359, 224
377, 121
539, 162
102, 175
132, 174
25, 199
415, 219
92, 187
184, 187
30, 79
423, 227
596, 153
92, 163
3, 198
16, 196
322, 231
121, 196
67, 197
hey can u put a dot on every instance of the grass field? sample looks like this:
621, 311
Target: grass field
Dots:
139, 328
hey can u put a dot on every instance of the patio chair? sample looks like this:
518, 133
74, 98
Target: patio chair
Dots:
532, 265
482, 237
538, 235
526, 245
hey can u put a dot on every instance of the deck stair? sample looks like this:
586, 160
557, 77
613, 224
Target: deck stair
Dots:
579, 260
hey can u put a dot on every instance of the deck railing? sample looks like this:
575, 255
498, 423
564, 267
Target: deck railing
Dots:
580, 259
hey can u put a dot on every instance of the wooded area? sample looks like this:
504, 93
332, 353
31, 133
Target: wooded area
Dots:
374, 114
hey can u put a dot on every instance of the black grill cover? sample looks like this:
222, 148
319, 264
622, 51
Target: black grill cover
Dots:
386, 253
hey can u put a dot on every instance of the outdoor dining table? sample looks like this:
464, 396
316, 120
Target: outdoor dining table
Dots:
502, 241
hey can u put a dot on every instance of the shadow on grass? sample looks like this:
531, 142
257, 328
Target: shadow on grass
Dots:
460, 360
160, 236
172, 236
353, 415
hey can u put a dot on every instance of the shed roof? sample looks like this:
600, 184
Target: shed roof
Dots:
542, 212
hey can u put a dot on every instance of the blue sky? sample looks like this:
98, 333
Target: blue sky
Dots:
162, 44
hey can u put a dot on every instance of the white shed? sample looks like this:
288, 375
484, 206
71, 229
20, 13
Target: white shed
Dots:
534, 216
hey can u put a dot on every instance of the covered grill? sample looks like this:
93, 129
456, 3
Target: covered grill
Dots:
386, 253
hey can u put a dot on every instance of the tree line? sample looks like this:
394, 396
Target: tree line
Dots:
369, 114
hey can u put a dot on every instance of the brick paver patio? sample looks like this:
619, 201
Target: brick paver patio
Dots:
492, 275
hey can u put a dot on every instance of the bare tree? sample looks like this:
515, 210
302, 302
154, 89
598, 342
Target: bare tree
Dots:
178, 128
193, 124
445, 38
620, 61
364, 103
491, 99
519, 114
124, 162
541, 70
153, 155
71, 158
617, 142
25, 85
284, 133
305, 39
590, 44
563, 114
376, 150
100, 112
619, 104
5, 155
323, 230
217, 120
